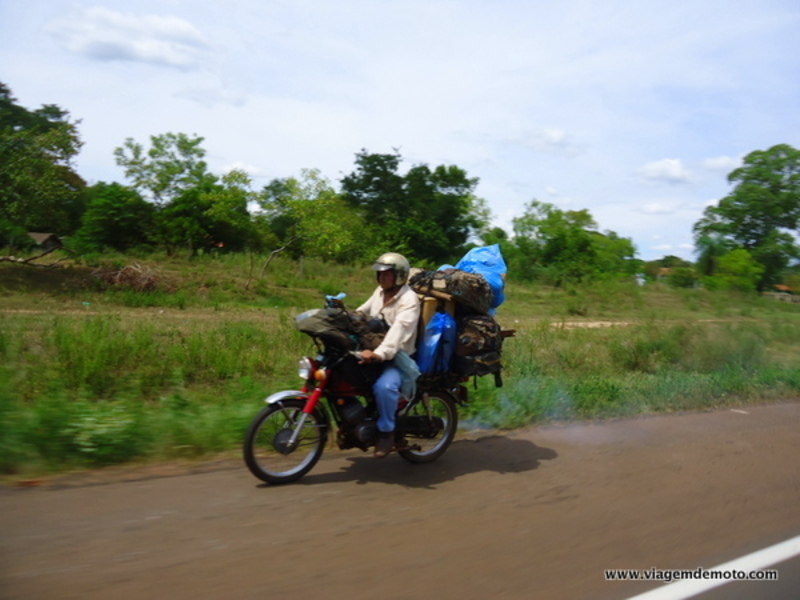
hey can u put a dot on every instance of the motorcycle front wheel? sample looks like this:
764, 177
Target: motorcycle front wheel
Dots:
267, 450
438, 407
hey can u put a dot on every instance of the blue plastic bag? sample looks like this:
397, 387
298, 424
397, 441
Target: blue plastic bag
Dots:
438, 341
487, 261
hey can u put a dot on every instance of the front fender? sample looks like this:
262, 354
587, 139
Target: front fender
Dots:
285, 395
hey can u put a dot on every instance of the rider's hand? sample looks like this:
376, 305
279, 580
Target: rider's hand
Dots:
368, 356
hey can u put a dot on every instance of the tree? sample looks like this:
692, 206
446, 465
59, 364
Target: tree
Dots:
761, 211
682, 277
710, 247
39, 189
211, 216
308, 217
194, 209
738, 270
429, 214
277, 214
171, 166
183, 222
564, 246
375, 188
615, 254
670, 261
494, 235
231, 224
441, 212
653, 268
116, 217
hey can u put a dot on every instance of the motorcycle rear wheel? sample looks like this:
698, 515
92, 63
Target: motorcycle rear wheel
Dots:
266, 450
437, 405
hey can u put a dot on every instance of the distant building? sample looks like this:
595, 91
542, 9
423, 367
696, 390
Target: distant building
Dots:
46, 241
783, 293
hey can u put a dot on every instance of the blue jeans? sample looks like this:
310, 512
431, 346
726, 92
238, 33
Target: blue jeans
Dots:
387, 393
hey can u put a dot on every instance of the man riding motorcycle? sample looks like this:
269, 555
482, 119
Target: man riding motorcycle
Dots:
398, 305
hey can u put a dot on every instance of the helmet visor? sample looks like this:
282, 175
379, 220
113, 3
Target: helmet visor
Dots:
382, 267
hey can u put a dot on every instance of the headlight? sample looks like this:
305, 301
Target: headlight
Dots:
304, 367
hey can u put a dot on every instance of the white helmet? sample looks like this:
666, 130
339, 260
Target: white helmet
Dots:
397, 263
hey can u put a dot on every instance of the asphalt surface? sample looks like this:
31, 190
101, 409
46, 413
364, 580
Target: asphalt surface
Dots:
535, 513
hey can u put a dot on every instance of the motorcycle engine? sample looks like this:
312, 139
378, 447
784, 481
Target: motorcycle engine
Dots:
350, 410
358, 429
367, 432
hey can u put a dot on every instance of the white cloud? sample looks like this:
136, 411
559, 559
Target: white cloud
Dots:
102, 34
667, 170
725, 164
551, 140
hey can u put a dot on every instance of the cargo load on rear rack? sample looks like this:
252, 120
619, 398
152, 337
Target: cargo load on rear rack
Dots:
471, 300
477, 334
469, 291
476, 349
479, 344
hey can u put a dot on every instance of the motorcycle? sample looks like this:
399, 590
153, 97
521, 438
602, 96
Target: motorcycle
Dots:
286, 438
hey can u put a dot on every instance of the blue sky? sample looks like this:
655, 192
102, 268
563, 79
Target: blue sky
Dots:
633, 109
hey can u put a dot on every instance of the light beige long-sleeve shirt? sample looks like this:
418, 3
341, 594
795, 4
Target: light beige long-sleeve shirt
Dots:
401, 313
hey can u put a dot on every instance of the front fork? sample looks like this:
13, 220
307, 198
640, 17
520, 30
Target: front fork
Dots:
292, 443
321, 376
311, 404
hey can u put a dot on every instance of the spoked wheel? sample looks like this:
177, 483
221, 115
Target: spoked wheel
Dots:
440, 420
268, 451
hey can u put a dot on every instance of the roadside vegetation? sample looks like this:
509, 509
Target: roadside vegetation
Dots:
96, 371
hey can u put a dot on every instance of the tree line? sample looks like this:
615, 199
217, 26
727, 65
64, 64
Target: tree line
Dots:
173, 203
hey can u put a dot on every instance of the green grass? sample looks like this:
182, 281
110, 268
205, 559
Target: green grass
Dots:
93, 375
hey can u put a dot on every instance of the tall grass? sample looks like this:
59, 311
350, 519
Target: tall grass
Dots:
95, 390
102, 356
118, 375
557, 373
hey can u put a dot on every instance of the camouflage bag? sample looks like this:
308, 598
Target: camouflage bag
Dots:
467, 289
479, 365
479, 344
477, 334
332, 326
336, 327
369, 330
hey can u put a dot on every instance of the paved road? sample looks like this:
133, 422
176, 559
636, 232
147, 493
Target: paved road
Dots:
537, 513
